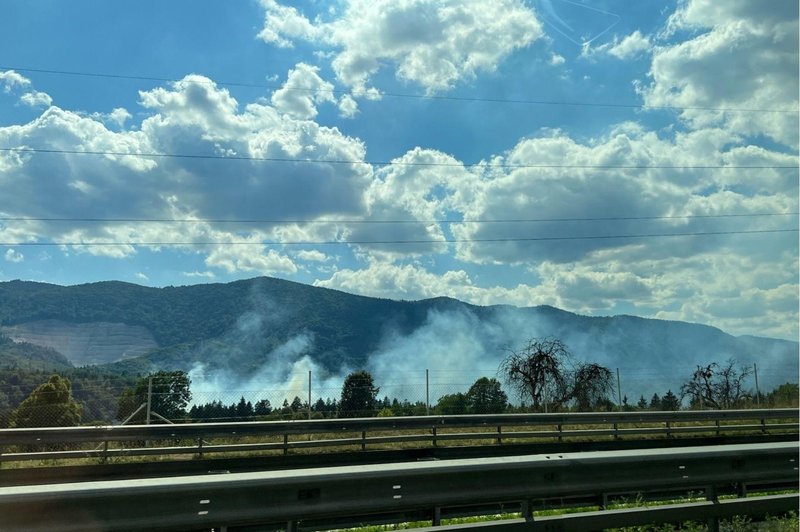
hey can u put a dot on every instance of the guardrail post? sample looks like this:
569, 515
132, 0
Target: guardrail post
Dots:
437, 516
105, 451
718, 427
200, 447
499, 435
435, 444
616, 431
711, 495
526, 509
763, 425
363, 440
603, 501
669, 431
560, 430
291, 526
285, 444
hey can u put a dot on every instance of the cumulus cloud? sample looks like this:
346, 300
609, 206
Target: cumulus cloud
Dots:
192, 116
13, 255
348, 107
630, 46
11, 79
431, 44
36, 99
302, 92
740, 56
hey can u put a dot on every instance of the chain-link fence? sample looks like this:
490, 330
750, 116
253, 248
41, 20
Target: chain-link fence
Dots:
441, 392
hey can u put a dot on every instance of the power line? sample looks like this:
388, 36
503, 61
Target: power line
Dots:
381, 242
378, 222
397, 163
400, 95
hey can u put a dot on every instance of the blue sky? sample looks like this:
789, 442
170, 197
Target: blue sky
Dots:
509, 141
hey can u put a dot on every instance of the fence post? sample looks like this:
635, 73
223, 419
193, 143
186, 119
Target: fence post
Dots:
149, 397
427, 394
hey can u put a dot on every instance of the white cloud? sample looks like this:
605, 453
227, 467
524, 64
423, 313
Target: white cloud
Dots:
11, 79
36, 99
250, 258
312, 255
199, 274
302, 92
141, 276
348, 107
434, 44
12, 255
282, 24
630, 46
557, 60
740, 56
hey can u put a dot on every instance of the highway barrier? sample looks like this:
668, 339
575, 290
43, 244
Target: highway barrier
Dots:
362, 433
310, 497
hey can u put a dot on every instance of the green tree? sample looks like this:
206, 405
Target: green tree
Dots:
453, 404
169, 397
485, 396
359, 395
49, 405
784, 396
642, 404
670, 401
655, 402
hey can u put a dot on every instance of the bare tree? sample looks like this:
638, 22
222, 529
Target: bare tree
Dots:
537, 372
591, 385
718, 386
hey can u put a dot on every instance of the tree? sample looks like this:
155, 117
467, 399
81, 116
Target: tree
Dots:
49, 405
170, 396
452, 404
718, 386
544, 372
359, 395
591, 387
670, 402
784, 396
262, 408
655, 402
642, 404
537, 372
486, 397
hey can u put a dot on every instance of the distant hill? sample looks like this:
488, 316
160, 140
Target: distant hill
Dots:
266, 326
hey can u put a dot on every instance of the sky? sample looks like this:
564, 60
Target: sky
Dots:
601, 156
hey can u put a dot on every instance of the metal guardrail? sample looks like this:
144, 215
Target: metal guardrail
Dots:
430, 429
206, 501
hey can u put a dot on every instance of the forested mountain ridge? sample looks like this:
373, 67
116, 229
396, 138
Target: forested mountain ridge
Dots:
243, 326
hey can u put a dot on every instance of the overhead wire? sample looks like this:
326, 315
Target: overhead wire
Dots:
400, 163
392, 242
378, 222
396, 94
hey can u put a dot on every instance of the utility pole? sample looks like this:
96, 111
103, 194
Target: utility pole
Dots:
309, 394
758, 393
619, 392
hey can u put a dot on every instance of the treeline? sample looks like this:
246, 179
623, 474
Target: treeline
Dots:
542, 373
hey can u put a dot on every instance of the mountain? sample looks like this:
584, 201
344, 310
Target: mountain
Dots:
270, 329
